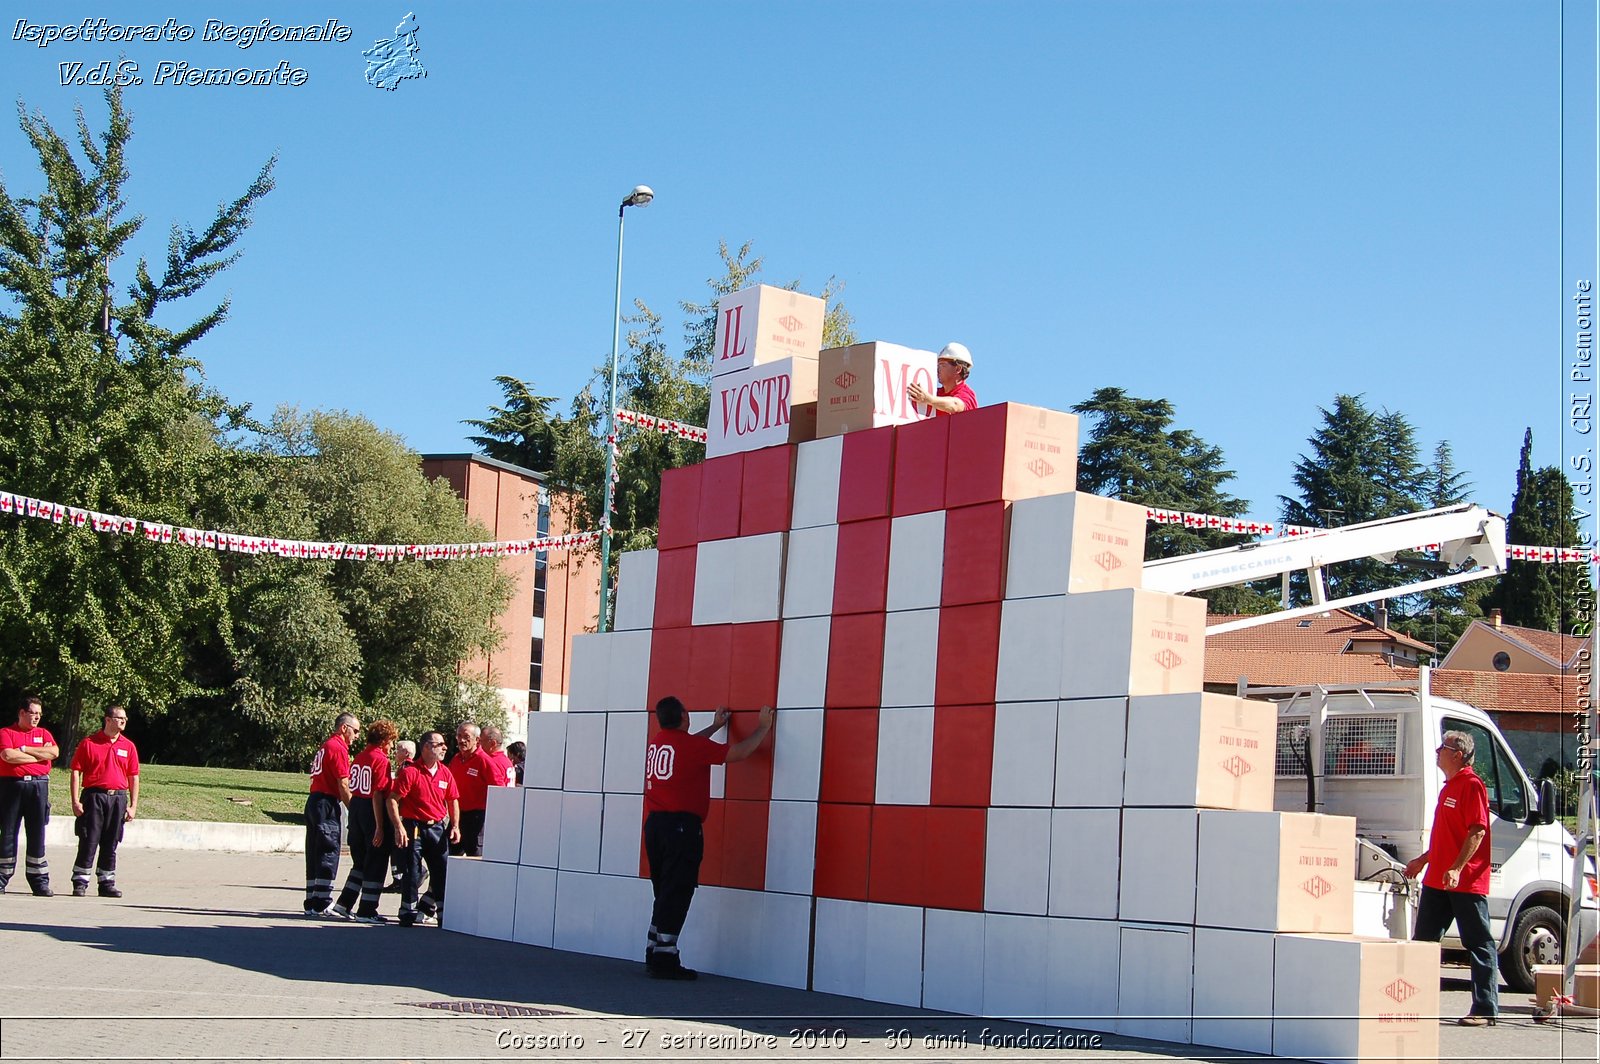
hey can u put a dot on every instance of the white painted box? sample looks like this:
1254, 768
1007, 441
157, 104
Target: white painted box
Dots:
621, 834
905, 756
1016, 867
910, 657
1074, 543
502, 825
1233, 989
1090, 736
580, 832
535, 921
758, 581
1155, 984
816, 484
541, 828
797, 759
636, 590
1024, 770
1083, 996
916, 562
624, 760
1119, 643
586, 752
1031, 638
763, 406
808, 586
803, 664
1085, 862
1158, 866
952, 961
1016, 966
716, 569
791, 846
589, 673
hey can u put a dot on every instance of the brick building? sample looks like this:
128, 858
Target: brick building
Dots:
557, 593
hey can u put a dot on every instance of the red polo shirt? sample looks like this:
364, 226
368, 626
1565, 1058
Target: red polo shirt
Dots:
499, 769
677, 773
369, 772
106, 762
330, 765
14, 738
472, 774
962, 391
1463, 805
423, 795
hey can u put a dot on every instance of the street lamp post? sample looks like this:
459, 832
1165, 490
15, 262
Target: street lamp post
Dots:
639, 197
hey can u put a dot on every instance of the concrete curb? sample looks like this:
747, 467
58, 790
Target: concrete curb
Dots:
193, 835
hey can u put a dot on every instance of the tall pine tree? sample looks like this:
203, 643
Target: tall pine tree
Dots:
1533, 594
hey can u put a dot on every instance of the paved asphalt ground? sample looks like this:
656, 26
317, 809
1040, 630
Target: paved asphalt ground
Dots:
207, 958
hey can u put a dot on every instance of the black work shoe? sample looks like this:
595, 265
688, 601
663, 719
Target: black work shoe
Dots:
43, 892
673, 971
110, 892
80, 890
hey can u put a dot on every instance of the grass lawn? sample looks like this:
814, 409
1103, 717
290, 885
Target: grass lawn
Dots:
179, 792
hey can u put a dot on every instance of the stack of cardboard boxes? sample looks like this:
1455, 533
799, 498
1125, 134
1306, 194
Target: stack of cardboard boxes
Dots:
995, 787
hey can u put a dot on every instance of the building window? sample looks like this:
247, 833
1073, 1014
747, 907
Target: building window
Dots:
1502, 662
536, 665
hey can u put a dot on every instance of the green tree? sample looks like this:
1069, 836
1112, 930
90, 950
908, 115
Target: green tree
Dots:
523, 432
1133, 453
1363, 466
1535, 594
106, 410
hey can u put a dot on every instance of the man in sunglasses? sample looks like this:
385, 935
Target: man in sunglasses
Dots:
955, 394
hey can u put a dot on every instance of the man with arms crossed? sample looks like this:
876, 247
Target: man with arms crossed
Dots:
424, 805
26, 750
105, 795
677, 796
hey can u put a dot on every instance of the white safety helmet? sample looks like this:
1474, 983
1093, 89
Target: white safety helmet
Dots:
957, 353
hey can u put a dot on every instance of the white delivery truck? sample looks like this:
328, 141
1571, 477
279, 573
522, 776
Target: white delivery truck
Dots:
1371, 755
1367, 752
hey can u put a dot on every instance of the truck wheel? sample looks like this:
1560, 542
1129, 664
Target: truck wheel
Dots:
1535, 940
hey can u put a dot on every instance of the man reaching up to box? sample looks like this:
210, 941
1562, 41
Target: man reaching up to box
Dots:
955, 395
677, 796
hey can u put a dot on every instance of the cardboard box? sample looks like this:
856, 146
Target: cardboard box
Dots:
675, 580
1024, 754
864, 386
541, 827
762, 324
1549, 982
580, 832
625, 742
816, 483
589, 676
1210, 750
1031, 637
916, 562
855, 661
754, 679
502, 825
744, 844
861, 568
866, 475
1073, 543
910, 658
1085, 857
844, 851
767, 493
1010, 451
974, 554
621, 833
797, 758
791, 846
535, 920
586, 752
1233, 989
721, 487
849, 755
803, 664
1090, 738
952, 961
1132, 643
808, 581
1017, 862
1276, 871
763, 406
629, 663
758, 578
750, 779
1083, 996
1016, 965
921, 449
636, 590
969, 642
679, 513
1155, 984
869, 951
963, 755
905, 756
1156, 883
547, 750
1339, 998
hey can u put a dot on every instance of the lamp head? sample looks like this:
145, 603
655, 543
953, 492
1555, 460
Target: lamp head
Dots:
639, 197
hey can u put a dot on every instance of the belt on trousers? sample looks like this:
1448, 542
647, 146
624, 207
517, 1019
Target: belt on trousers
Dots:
427, 823
105, 790
24, 779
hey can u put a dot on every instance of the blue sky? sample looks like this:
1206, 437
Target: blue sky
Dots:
1244, 207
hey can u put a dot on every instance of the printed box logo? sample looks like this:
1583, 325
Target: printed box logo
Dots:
791, 323
1317, 887
1237, 767
1040, 468
1107, 561
1167, 659
845, 379
1400, 990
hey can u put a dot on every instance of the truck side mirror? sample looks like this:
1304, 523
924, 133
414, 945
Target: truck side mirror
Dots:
1547, 803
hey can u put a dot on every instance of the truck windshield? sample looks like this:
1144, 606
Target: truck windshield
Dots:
1496, 768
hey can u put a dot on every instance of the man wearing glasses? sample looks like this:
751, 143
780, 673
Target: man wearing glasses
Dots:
1457, 884
105, 795
955, 394
26, 751
330, 788
425, 812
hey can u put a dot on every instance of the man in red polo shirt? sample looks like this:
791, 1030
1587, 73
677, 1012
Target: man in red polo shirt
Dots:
677, 796
104, 783
1457, 884
471, 771
499, 760
955, 395
370, 847
330, 788
26, 750
424, 805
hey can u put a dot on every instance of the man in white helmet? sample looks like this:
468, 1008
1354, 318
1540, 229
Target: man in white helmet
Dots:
955, 395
